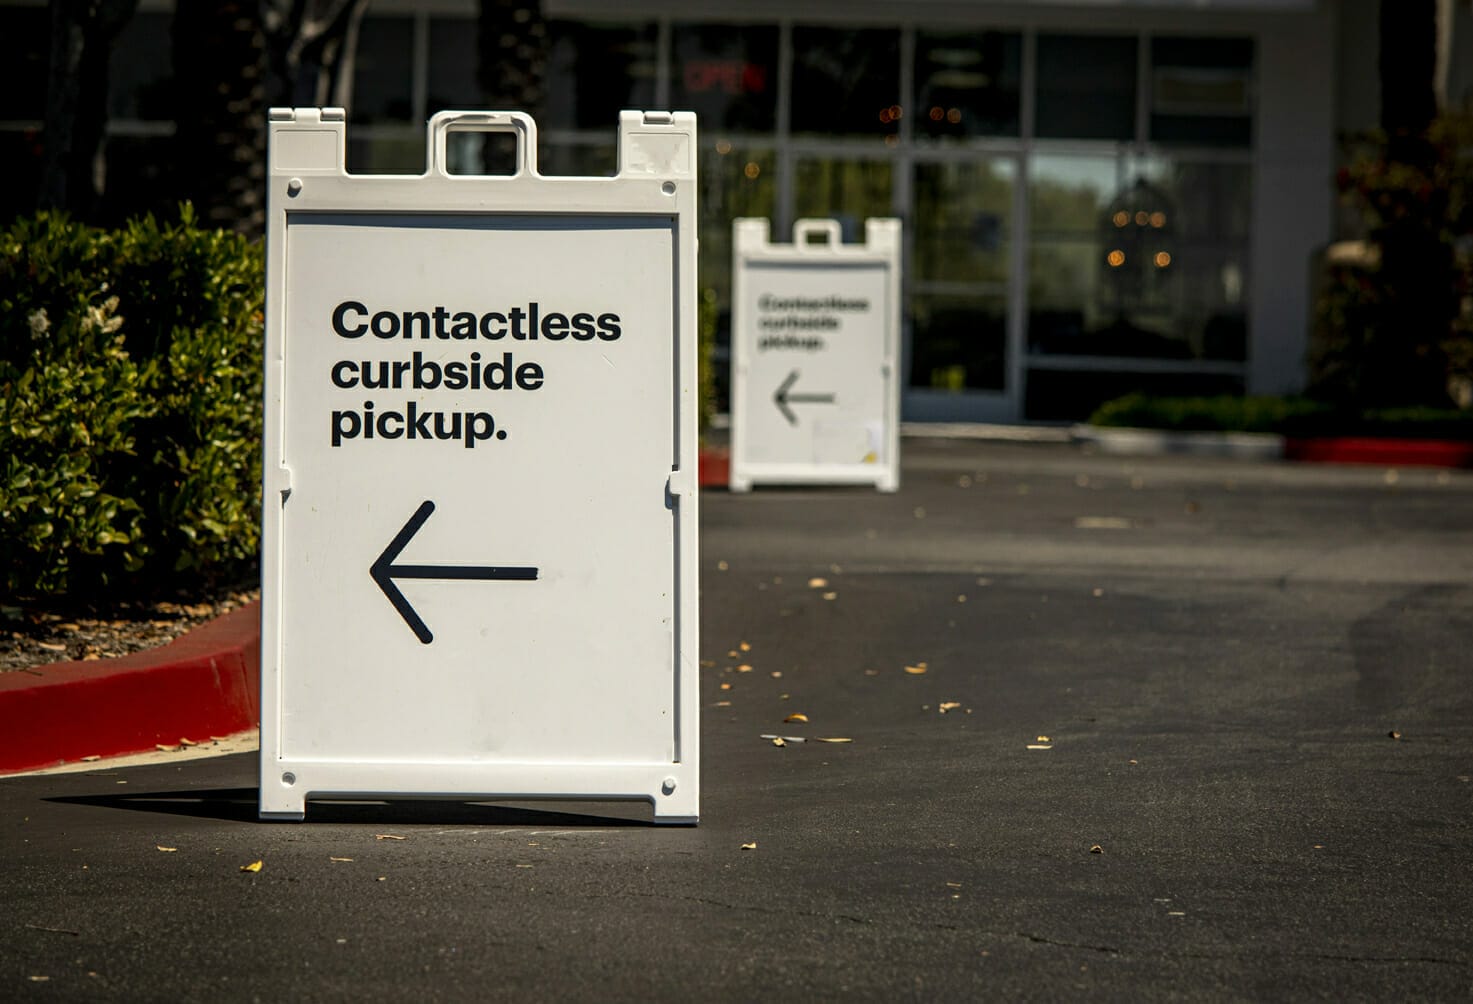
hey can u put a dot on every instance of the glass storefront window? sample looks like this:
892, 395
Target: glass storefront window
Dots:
1138, 258
595, 71
383, 71
140, 71
967, 84
734, 183
846, 81
963, 220
849, 191
1208, 265
451, 68
726, 74
958, 343
1086, 87
1202, 91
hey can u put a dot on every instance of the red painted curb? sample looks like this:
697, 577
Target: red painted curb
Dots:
715, 466
1389, 452
206, 683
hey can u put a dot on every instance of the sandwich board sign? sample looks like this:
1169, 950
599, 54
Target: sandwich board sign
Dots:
479, 531
815, 339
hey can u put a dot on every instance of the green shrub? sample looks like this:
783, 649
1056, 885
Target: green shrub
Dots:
130, 383
1289, 416
1206, 414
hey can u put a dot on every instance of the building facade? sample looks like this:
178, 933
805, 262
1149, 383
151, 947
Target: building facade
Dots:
1098, 198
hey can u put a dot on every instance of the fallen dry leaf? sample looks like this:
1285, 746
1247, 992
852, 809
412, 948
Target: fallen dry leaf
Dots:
744, 668
1393, 734
726, 686
731, 653
254, 866
745, 646
779, 741
187, 742
777, 674
166, 850
1040, 746
722, 704
1044, 739
330, 858
166, 749
51, 646
796, 716
1097, 849
832, 739
750, 847
946, 706
831, 596
919, 669
387, 836
817, 583
91, 759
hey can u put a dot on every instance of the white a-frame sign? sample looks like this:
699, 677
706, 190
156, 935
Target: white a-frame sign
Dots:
815, 337
479, 537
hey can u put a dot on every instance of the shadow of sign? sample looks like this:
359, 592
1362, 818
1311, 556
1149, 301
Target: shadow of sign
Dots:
239, 805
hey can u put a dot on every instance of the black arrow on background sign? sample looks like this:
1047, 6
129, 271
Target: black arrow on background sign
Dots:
782, 397
384, 572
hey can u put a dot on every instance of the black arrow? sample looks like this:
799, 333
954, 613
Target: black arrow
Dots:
384, 572
781, 398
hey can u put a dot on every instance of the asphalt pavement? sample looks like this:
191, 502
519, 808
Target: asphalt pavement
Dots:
1122, 728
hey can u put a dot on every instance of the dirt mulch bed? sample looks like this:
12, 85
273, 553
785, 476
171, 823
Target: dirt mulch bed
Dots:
37, 635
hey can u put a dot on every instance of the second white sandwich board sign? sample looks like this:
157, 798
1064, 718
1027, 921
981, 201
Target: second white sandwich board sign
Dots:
815, 336
479, 537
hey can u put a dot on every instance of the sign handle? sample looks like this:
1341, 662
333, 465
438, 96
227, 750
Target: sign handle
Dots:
519, 124
804, 230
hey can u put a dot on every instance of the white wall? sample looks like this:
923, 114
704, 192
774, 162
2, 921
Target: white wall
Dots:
1293, 192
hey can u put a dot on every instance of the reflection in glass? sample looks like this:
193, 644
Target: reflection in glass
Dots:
1086, 87
963, 220
1138, 258
958, 343
846, 81
597, 70
726, 74
849, 191
967, 84
382, 71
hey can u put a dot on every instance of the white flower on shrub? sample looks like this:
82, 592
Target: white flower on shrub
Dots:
102, 319
39, 322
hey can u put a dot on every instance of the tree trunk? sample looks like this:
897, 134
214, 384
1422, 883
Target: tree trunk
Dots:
82, 36
220, 124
